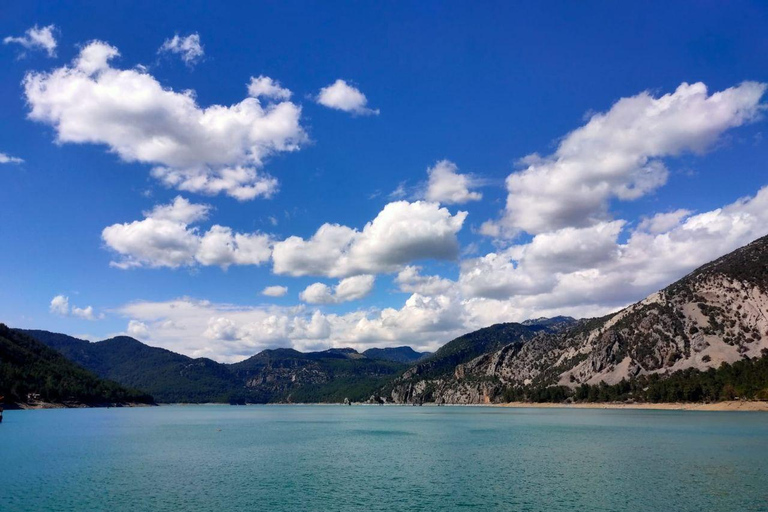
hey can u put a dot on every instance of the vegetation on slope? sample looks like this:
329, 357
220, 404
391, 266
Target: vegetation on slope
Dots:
397, 354
166, 375
30, 370
278, 375
746, 379
469, 346
327, 376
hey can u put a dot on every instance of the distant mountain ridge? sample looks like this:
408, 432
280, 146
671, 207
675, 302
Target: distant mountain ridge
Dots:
273, 375
398, 354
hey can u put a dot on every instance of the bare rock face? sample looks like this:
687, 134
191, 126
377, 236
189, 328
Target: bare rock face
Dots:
717, 314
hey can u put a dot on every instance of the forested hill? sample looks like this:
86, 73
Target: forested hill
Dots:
397, 354
279, 375
31, 372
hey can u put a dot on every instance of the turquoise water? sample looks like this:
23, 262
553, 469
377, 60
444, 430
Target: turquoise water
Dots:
335, 458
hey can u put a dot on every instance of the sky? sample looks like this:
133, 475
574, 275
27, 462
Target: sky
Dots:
221, 178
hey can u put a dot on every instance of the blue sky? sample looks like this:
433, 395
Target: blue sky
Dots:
627, 204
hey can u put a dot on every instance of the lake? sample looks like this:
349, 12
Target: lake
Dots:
336, 458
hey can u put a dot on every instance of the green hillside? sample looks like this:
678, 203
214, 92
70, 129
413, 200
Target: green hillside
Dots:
33, 372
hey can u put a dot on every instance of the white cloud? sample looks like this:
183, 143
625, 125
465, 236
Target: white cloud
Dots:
274, 291
585, 271
60, 306
226, 332
36, 38
188, 48
180, 210
85, 313
342, 96
218, 149
220, 246
588, 270
618, 155
138, 329
165, 239
662, 222
410, 280
351, 288
447, 186
7, 159
401, 233
264, 86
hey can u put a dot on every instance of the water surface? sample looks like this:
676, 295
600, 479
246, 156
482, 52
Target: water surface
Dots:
323, 458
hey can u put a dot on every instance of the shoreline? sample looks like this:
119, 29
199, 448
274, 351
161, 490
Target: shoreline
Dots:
34, 406
726, 406
730, 405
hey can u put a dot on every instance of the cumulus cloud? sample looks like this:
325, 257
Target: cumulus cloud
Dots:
342, 96
401, 233
7, 159
618, 155
447, 186
351, 288
137, 329
411, 280
188, 48
662, 222
585, 271
164, 238
590, 270
229, 333
60, 306
212, 150
36, 38
274, 291
266, 87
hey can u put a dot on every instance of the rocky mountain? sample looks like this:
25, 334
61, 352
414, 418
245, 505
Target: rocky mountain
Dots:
397, 354
426, 378
717, 314
327, 376
32, 373
279, 375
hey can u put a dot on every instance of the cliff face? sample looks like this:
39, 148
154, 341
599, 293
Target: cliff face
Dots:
716, 314
443, 376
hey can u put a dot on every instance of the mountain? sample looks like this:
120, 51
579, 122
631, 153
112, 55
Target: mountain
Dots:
31, 372
554, 323
716, 315
420, 381
328, 376
168, 376
397, 354
279, 375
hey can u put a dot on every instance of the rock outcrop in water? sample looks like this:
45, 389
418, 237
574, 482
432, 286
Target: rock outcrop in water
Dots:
717, 314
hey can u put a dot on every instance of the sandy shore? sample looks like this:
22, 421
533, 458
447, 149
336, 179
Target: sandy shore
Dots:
734, 405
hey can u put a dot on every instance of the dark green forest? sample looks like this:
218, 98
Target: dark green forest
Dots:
28, 367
